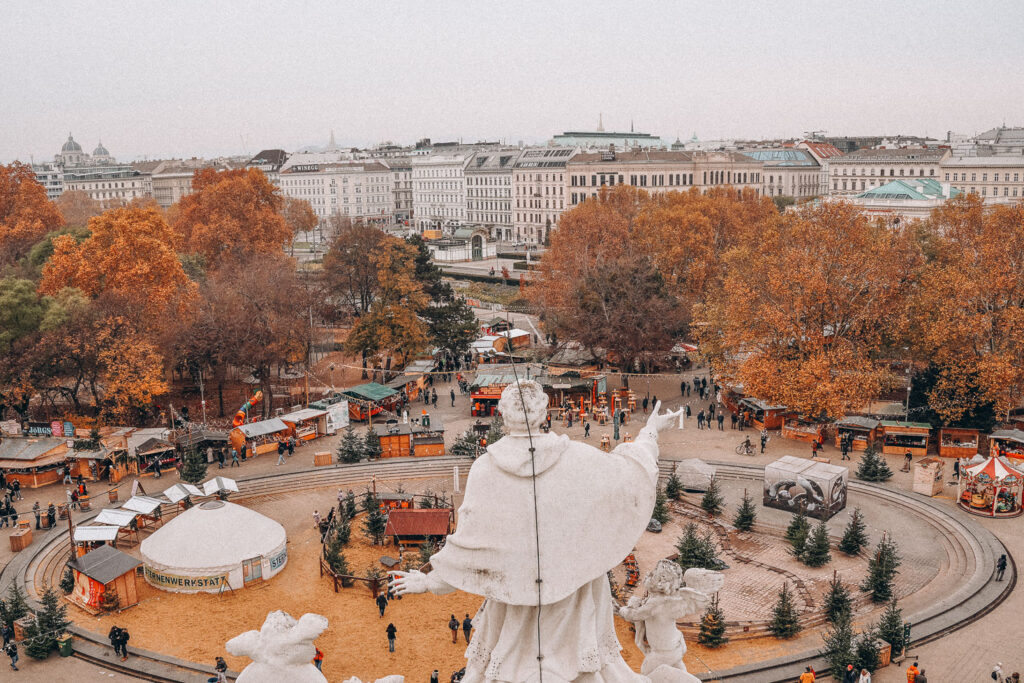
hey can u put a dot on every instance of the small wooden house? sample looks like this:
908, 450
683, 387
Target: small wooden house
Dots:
367, 400
33, 461
958, 443
413, 527
928, 474
1007, 442
860, 430
306, 424
800, 428
900, 437
100, 570
260, 437
761, 414
400, 440
396, 501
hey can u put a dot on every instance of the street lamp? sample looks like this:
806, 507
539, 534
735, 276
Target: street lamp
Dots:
332, 376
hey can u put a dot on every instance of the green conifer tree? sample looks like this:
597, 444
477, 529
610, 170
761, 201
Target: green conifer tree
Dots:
193, 469
799, 543
343, 529
785, 621
351, 448
855, 536
873, 467
837, 600
797, 524
467, 443
51, 621
712, 626
16, 605
37, 645
336, 558
816, 553
695, 550
374, 525
839, 650
369, 501
496, 430
868, 650
673, 487
712, 502
427, 550
109, 600
350, 504
660, 512
890, 626
882, 569
371, 445
67, 581
746, 515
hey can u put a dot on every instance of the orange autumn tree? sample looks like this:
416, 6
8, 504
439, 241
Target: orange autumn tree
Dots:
969, 310
599, 285
806, 310
26, 215
130, 259
231, 215
133, 372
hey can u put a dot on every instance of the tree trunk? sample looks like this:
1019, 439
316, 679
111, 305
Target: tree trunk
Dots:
220, 397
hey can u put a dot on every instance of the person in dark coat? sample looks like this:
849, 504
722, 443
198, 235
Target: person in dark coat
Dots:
645, 402
453, 626
452, 391
467, 628
392, 632
382, 603
1000, 567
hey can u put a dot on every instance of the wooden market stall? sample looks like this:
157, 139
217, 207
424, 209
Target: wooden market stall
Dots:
1008, 443
517, 338
800, 428
761, 414
400, 440
900, 437
861, 431
260, 437
413, 378
991, 488
32, 461
92, 536
124, 520
485, 392
206, 441
928, 476
396, 501
958, 443
367, 400
155, 453
413, 527
306, 424
101, 570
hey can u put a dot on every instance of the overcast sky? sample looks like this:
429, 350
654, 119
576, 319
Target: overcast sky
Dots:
184, 78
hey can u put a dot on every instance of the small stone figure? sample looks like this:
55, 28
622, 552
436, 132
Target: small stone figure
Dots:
655, 616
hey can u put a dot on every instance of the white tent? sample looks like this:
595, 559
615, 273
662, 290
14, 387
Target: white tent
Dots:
114, 517
99, 532
695, 474
181, 491
213, 546
141, 504
219, 484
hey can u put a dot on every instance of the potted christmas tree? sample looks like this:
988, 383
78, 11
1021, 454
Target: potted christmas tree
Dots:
712, 626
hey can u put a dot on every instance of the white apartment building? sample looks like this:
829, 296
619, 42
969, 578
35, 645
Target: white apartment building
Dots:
538, 190
787, 172
823, 153
997, 179
864, 169
50, 176
489, 192
439, 190
401, 180
360, 190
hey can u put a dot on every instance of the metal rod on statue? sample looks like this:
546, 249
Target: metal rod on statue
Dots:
456, 477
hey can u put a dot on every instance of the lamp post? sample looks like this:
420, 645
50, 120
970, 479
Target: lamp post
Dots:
332, 376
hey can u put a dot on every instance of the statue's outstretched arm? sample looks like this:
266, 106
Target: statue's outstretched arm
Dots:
407, 583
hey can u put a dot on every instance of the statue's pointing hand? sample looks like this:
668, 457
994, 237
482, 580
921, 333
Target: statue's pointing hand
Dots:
659, 422
405, 583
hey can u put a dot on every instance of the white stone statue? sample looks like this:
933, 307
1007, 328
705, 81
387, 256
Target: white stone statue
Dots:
591, 508
655, 616
282, 650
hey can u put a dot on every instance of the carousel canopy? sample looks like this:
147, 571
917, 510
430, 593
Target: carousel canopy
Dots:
994, 469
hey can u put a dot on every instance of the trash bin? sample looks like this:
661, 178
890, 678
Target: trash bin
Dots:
64, 645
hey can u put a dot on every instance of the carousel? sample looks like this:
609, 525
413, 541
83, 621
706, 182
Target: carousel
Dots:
991, 488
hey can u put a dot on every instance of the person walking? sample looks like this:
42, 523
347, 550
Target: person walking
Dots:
1000, 567
291, 446
382, 603
316, 519
220, 458
122, 640
435, 676
453, 626
51, 515
244, 450
280, 453
67, 475
844, 449
956, 469
467, 628
733, 419
700, 419
711, 410
7, 633
12, 651
908, 459
682, 388
112, 636
865, 676
452, 391
851, 674
318, 659
807, 676
219, 671
16, 490
764, 440
814, 448
721, 421
921, 678
586, 430
234, 459
687, 411
645, 403
433, 397
912, 672
392, 632
36, 511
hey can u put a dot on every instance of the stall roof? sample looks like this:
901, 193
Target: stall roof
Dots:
386, 495
99, 532
27, 450
181, 491
858, 421
118, 517
304, 414
139, 436
893, 426
759, 404
219, 484
370, 392
493, 379
142, 504
262, 428
514, 332
430, 522
1008, 434
104, 564
420, 366
153, 445
191, 437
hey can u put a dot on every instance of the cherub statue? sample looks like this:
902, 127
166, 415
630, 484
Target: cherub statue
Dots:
655, 616
282, 650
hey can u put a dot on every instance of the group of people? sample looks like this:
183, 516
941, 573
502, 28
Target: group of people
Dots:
285, 446
119, 638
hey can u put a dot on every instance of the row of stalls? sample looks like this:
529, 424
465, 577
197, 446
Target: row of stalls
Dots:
569, 388
302, 424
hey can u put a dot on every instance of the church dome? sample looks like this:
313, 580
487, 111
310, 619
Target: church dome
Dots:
71, 145
100, 151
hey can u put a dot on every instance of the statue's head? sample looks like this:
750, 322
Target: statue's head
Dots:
514, 398
666, 577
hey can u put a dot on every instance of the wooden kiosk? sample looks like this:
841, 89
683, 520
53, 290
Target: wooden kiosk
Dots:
400, 440
958, 443
306, 423
900, 437
761, 414
861, 430
800, 428
101, 570
1007, 442
261, 437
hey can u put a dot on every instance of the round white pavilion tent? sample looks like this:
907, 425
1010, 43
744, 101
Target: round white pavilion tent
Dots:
212, 547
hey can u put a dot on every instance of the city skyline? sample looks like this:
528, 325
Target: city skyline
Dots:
195, 80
